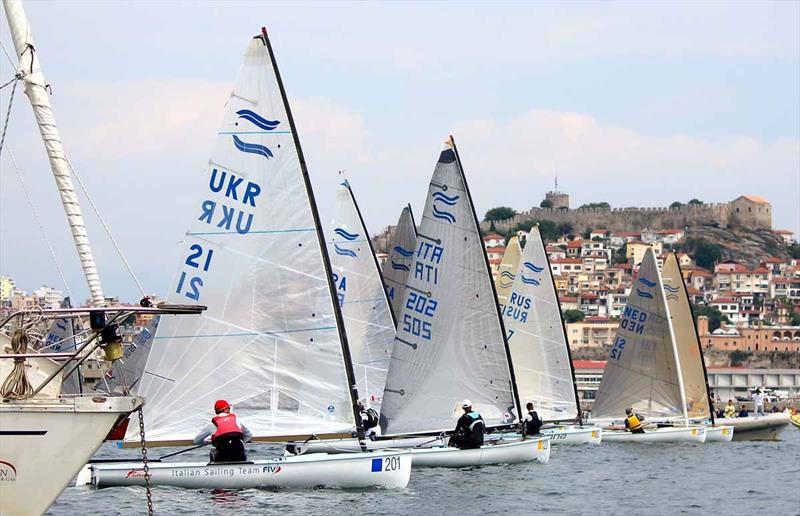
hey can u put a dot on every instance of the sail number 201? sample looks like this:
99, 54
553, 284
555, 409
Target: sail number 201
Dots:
199, 259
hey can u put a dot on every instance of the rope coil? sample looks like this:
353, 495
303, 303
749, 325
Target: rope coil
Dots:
16, 386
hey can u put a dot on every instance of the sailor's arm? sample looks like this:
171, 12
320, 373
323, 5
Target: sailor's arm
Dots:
206, 432
246, 433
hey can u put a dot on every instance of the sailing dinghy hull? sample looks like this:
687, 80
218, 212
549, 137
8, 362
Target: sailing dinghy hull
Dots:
333, 446
719, 433
757, 428
565, 435
686, 434
388, 470
529, 450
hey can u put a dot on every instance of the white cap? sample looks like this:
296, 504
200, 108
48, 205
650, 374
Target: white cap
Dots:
466, 403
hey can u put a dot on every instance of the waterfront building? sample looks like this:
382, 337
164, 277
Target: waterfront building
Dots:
754, 339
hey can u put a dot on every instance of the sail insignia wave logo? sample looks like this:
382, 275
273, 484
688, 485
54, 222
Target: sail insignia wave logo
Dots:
345, 234
507, 279
258, 120
672, 292
530, 281
532, 267
403, 252
440, 212
344, 251
252, 148
400, 266
646, 282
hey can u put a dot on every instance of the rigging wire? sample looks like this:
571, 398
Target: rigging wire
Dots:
8, 56
105, 226
8, 114
39, 222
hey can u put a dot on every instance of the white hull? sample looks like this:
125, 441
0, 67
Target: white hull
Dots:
757, 428
333, 446
529, 450
692, 434
45, 442
390, 469
719, 433
562, 435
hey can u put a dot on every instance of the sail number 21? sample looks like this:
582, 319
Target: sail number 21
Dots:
200, 259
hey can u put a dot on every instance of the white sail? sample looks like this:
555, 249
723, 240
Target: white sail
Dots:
126, 373
368, 318
507, 271
37, 90
401, 254
270, 341
686, 341
642, 370
450, 343
536, 337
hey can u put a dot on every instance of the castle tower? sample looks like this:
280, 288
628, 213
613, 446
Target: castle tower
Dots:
558, 199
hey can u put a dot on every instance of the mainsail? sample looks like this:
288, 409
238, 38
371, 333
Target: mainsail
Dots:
507, 272
450, 341
642, 370
687, 343
536, 338
271, 341
401, 254
368, 318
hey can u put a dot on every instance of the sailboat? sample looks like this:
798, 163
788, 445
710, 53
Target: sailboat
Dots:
273, 340
693, 369
643, 369
401, 254
46, 437
539, 348
507, 272
450, 340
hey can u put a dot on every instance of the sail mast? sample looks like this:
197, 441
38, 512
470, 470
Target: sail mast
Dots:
351, 377
514, 391
36, 88
674, 345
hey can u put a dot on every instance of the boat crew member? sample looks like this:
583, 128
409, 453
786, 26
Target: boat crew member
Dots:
730, 409
743, 411
633, 422
226, 434
532, 421
469, 429
758, 400
369, 420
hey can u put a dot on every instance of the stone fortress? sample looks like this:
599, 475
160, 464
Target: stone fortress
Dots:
746, 211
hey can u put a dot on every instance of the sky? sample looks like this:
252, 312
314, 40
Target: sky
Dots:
635, 104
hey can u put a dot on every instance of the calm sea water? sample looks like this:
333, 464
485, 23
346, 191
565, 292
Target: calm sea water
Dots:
728, 478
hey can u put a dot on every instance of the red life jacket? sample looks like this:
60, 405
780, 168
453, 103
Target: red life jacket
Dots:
226, 424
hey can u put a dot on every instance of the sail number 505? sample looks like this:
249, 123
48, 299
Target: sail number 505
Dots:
200, 259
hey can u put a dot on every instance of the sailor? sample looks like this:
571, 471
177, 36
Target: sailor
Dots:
743, 411
758, 400
532, 421
369, 420
469, 429
730, 409
226, 434
633, 422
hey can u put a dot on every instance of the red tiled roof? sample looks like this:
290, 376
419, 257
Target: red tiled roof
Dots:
574, 244
756, 199
566, 260
589, 364
496, 249
773, 259
720, 300
493, 236
568, 299
669, 231
783, 231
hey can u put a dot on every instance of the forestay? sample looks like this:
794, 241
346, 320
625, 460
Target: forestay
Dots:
450, 342
269, 342
368, 319
507, 272
642, 370
398, 263
536, 337
686, 341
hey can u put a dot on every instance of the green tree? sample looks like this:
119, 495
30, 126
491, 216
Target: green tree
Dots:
500, 213
795, 319
547, 203
794, 251
573, 315
565, 228
676, 204
620, 255
715, 317
705, 253
695, 202
600, 205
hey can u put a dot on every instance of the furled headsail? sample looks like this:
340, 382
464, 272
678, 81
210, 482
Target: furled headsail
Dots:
536, 337
642, 370
690, 355
507, 272
271, 341
368, 318
401, 254
450, 341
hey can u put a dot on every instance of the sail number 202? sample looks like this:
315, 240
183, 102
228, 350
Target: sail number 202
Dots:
200, 259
